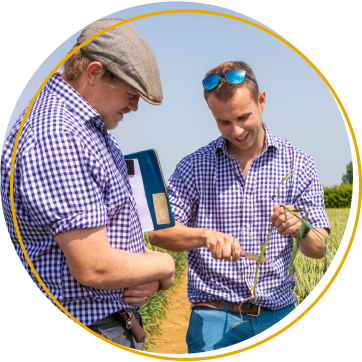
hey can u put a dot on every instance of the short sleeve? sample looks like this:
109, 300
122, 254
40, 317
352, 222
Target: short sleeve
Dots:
62, 184
311, 196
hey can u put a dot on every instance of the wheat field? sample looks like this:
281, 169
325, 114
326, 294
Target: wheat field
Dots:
308, 272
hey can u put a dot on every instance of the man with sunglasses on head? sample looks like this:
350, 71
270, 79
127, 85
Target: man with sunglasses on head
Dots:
222, 196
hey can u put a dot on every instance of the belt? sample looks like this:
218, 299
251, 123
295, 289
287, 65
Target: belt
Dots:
249, 309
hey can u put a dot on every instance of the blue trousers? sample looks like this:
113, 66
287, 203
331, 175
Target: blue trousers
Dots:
210, 329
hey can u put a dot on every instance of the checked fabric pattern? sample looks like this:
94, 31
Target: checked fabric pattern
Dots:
207, 190
69, 174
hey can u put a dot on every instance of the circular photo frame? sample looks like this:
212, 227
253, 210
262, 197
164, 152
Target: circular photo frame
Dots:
344, 250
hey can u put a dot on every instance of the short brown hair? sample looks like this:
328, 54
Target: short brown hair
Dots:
78, 63
225, 90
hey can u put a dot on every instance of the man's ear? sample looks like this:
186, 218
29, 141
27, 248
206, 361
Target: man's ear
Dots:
261, 101
94, 72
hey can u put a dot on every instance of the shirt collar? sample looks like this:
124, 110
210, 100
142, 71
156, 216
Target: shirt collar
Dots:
74, 101
270, 141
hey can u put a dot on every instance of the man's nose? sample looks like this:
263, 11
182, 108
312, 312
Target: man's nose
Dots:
133, 103
237, 130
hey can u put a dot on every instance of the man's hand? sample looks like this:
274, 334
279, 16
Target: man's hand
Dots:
94, 263
223, 246
285, 222
135, 295
166, 283
180, 238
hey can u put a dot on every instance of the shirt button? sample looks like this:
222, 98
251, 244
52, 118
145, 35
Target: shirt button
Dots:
248, 197
247, 225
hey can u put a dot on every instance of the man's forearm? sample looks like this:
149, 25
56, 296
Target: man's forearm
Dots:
179, 238
288, 224
123, 270
311, 245
94, 263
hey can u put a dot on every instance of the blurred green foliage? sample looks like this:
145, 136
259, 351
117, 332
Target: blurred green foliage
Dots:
347, 178
338, 196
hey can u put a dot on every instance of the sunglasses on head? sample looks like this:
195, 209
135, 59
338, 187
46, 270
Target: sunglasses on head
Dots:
233, 77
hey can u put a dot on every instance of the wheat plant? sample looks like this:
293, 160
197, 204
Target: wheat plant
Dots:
297, 241
308, 272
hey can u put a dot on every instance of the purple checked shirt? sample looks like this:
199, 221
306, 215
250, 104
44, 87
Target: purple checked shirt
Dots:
208, 190
69, 174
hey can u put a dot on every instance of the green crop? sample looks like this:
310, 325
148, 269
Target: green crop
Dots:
297, 241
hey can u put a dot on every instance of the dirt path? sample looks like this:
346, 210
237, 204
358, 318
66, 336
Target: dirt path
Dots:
174, 326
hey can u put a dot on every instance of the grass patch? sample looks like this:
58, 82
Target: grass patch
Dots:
154, 311
308, 272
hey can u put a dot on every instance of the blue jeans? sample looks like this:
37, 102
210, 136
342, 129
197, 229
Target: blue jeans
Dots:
210, 329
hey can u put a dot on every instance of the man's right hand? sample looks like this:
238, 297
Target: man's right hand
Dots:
180, 238
167, 282
223, 246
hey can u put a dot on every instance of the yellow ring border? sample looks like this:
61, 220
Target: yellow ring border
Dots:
198, 12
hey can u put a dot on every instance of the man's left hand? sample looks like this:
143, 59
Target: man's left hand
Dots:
285, 222
140, 294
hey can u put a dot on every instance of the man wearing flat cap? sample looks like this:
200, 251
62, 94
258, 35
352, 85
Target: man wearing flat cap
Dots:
73, 201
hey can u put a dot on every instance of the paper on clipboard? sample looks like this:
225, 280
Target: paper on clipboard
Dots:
149, 189
139, 195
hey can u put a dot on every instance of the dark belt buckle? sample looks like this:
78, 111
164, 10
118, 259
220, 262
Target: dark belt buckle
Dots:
254, 315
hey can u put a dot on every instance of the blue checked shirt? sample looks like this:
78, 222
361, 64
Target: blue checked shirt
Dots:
207, 190
69, 174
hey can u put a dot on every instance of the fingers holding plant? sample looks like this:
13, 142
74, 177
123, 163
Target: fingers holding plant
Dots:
285, 222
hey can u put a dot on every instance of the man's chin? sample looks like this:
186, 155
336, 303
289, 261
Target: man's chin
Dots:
112, 124
110, 127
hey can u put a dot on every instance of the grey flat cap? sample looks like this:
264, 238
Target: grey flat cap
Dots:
125, 53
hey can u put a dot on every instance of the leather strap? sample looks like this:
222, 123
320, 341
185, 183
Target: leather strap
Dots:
246, 308
132, 324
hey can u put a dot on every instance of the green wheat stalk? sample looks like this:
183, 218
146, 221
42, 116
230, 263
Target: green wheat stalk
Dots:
295, 246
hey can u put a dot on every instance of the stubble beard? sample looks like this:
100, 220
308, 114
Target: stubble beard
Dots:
115, 123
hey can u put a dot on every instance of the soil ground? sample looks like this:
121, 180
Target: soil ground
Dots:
174, 326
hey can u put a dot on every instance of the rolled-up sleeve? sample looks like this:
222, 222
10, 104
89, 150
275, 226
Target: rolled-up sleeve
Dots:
311, 195
62, 184
182, 193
